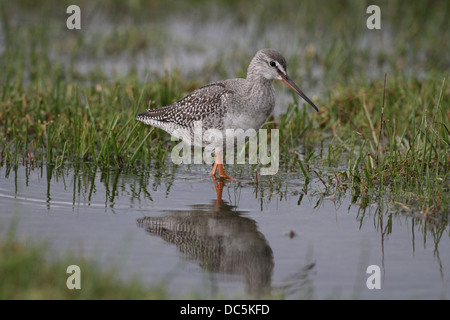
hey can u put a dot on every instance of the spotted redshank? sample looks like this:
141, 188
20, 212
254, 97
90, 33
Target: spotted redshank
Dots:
229, 104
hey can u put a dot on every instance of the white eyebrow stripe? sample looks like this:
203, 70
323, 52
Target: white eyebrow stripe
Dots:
280, 67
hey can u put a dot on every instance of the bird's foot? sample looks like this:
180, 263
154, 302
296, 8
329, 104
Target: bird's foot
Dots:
225, 176
222, 173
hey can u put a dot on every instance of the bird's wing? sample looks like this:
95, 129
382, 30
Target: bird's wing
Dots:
202, 104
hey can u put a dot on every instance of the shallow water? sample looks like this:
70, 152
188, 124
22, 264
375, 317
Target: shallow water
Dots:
172, 229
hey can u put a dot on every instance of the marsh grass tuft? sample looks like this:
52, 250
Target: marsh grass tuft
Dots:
401, 151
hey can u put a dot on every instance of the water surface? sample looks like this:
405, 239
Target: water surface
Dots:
233, 239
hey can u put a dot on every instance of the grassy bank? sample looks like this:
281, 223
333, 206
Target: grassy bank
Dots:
401, 149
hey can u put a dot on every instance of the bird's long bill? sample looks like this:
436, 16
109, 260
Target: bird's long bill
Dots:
294, 87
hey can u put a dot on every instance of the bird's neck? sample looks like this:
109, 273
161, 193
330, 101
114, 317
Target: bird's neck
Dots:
256, 81
259, 83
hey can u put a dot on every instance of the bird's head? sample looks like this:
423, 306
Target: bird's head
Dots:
271, 65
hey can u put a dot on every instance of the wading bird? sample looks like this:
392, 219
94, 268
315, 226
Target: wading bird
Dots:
229, 104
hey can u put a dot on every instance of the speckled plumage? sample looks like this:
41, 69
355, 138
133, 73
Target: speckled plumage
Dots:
229, 104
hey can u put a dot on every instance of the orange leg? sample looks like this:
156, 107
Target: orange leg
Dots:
218, 165
213, 172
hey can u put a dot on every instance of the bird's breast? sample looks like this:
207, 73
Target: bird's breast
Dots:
249, 117
251, 110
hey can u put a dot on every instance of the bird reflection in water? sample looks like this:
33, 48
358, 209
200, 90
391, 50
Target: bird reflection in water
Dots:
221, 239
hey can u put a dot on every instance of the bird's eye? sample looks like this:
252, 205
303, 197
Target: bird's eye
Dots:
272, 63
